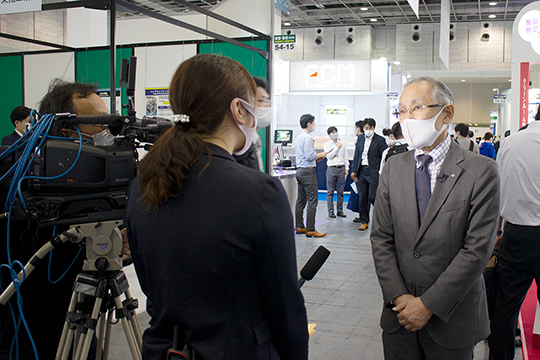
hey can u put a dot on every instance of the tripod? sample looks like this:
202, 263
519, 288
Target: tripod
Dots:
83, 317
97, 292
97, 297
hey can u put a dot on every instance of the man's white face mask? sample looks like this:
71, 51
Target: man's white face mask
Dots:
104, 138
421, 133
264, 116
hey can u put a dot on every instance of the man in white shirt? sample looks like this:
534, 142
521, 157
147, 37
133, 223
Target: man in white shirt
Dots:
519, 254
336, 172
365, 169
306, 159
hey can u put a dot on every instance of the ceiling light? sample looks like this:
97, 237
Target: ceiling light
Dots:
492, 16
475, 124
463, 80
396, 63
373, 20
287, 23
492, 3
509, 79
495, 89
382, 58
364, 9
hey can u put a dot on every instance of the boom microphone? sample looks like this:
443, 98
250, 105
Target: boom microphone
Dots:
313, 265
102, 119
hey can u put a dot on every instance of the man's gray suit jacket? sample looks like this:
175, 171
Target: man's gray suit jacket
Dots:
441, 261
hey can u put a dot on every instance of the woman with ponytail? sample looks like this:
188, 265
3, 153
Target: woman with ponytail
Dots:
212, 240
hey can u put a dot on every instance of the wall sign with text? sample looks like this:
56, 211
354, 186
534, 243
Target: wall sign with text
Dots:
18, 6
284, 42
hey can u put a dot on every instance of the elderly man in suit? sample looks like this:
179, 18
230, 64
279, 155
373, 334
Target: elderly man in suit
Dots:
433, 232
365, 169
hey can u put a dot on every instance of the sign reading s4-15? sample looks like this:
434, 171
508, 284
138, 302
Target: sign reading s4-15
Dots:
284, 42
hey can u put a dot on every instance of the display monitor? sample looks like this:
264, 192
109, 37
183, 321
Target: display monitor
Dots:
283, 137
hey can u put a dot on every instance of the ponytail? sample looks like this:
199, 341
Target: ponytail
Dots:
167, 166
200, 93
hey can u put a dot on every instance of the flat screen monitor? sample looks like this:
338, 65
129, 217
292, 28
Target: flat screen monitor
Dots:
283, 137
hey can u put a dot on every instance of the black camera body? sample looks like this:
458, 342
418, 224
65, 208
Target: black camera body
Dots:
95, 189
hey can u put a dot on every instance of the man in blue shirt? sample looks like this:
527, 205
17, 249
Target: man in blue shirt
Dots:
486, 148
306, 159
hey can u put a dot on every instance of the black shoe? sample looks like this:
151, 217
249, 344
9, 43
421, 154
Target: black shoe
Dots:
357, 220
331, 214
341, 214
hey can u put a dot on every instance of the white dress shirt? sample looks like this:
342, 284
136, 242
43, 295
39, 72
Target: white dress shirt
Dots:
520, 176
304, 149
438, 154
335, 156
367, 144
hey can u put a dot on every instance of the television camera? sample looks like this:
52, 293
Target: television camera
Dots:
73, 184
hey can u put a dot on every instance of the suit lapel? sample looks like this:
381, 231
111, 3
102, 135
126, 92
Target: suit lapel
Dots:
360, 150
452, 170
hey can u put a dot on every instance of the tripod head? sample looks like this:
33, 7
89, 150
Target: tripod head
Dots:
103, 245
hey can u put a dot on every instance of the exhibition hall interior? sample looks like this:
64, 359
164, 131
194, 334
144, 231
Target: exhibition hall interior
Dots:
341, 61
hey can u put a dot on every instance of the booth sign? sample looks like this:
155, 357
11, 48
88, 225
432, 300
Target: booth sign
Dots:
284, 42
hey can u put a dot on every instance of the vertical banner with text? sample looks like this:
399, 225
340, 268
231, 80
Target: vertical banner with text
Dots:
444, 40
524, 94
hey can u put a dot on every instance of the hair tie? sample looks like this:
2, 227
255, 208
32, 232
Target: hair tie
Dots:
180, 118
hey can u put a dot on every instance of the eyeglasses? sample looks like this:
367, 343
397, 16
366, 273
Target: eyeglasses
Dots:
264, 102
416, 109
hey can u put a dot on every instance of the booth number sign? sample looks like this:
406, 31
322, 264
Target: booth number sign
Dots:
499, 99
284, 42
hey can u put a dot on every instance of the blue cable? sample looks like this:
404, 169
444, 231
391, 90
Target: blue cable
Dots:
65, 272
32, 147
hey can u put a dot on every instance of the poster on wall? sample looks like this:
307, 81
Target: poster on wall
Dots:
18, 6
337, 115
157, 102
105, 95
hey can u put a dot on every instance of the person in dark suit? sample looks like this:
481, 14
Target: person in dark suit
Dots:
365, 169
212, 240
20, 116
433, 232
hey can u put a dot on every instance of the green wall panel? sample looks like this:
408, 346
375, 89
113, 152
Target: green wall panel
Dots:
11, 91
252, 61
93, 66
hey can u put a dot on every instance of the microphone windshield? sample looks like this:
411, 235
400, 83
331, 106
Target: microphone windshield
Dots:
314, 263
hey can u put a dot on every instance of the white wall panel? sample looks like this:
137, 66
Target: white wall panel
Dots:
155, 68
41, 69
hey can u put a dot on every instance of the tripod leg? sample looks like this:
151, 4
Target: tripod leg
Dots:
100, 334
108, 335
135, 323
86, 339
63, 339
130, 336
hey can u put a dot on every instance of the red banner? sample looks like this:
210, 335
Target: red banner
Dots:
524, 94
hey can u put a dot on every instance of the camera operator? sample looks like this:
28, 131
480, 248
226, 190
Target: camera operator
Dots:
212, 240
45, 304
